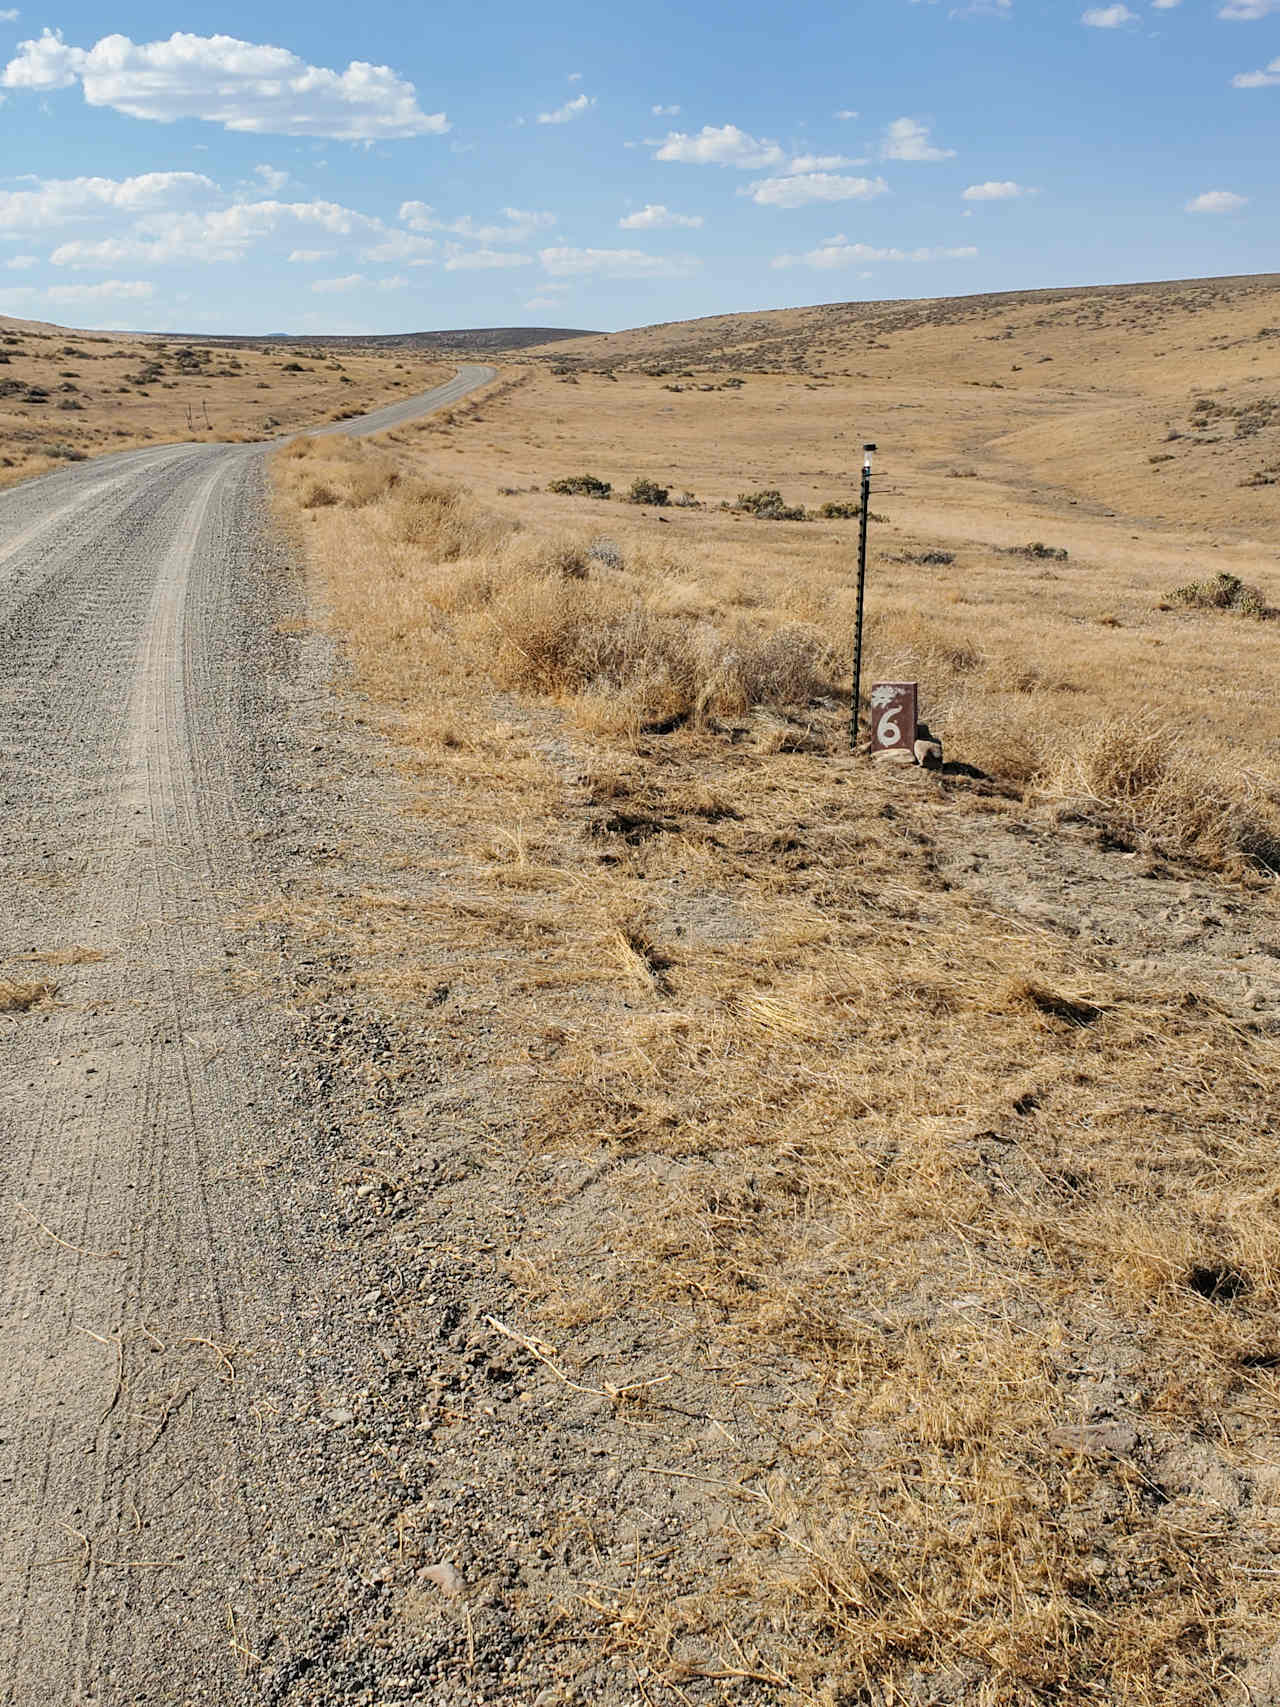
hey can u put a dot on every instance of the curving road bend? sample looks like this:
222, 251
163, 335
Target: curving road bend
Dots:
136, 1475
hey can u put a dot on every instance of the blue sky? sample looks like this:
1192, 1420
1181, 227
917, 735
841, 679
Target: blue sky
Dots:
280, 167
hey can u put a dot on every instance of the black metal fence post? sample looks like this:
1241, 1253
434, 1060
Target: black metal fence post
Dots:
862, 585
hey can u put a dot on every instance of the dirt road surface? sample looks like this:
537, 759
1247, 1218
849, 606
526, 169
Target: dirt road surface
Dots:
141, 765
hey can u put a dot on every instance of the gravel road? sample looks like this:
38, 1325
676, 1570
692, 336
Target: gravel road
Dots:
140, 767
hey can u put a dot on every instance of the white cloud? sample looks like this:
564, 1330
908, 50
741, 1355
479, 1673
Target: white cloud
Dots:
243, 86
225, 234
404, 246
1164, 5
270, 178
806, 187
839, 252
519, 224
1248, 11
1216, 201
306, 256
1264, 79
20, 263
664, 112
349, 281
110, 290
61, 201
996, 190
397, 281
573, 109
845, 113
471, 260
10, 16
575, 77
823, 162
654, 217
720, 145
1108, 17
908, 139
615, 263
542, 302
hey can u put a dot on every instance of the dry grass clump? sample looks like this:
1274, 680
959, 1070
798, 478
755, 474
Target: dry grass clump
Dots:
1132, 776
1222, 592
554, 615
20, 996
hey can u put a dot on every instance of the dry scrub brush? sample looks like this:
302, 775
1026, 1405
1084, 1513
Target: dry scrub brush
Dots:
547, 615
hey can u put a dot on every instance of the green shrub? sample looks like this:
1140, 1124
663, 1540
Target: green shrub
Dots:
580, 486
841, 510
647, 492
769, 506
1221, 592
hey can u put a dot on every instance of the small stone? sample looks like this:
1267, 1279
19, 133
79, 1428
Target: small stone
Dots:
337, 1414
446, 1578
1096, 1439
929, 754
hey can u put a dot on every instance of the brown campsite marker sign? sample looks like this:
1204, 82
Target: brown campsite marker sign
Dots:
893, 717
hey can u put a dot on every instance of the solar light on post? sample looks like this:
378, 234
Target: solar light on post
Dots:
862, 584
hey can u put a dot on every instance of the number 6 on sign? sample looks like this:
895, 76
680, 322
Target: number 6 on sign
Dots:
893, 717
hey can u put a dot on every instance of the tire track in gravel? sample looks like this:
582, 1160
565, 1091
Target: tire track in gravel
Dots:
139, 1466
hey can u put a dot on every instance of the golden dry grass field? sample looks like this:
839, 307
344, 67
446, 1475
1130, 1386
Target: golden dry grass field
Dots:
924, 1123
66, 395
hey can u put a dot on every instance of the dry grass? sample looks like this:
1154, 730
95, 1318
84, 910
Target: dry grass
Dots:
550, 614
939, 1190
67, 395
968, 1218
19, 996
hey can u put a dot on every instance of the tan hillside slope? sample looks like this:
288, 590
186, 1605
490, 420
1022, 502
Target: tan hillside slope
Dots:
1159, 399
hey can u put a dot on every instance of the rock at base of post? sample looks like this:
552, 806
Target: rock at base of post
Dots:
928, 748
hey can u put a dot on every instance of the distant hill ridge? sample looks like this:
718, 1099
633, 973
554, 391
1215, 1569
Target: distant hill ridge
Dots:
472, 340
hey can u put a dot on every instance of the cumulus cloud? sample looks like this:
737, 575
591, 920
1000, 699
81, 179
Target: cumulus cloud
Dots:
839, 252
654, 217
308, 256
573, 109
996, 190
805, 187
1248, 11
61, 201
243, 86
9, 16
1264, 79
1216, 201
908, 139
469, 260
518, 226
1108, 17
720, 145
336, 287
20, 263
845, 113
398, 246
823, 162
270, 178
615, 263
664, 112
110, 290
223, 234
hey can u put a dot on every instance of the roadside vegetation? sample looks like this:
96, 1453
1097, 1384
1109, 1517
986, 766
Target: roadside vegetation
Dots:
967, 1205
67, 396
